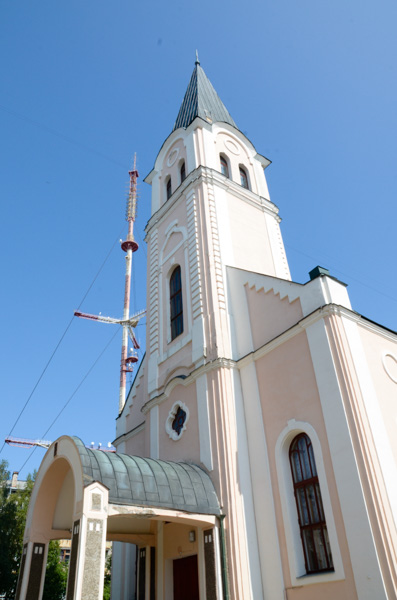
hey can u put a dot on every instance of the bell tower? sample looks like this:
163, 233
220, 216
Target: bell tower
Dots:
210, 210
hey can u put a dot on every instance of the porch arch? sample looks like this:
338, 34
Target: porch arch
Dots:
92, 495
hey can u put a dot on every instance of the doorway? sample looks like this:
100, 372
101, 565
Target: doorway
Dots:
186, 586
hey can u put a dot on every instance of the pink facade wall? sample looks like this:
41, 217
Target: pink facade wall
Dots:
288, 390
270, 315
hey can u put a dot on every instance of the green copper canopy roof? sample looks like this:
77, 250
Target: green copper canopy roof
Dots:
134, 480
201, 100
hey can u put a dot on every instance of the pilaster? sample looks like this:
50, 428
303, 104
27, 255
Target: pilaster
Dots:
87, 561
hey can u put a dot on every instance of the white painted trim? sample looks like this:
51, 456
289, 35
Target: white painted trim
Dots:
187, 307
265, 557
224, 230
176, 516
160, 314
177, 344
218, 567
387, 371
120, 441
214, 177
204, 424
219, 363
154, 432
185, 337
363, 555
239, 315
288, 505
171, 229
245, 483
171, 416
375, 417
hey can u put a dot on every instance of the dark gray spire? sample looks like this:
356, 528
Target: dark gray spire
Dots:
201, 100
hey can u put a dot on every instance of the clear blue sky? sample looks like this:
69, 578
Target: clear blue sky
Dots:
86, 84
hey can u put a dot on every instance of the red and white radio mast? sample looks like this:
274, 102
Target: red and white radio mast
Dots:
128, 323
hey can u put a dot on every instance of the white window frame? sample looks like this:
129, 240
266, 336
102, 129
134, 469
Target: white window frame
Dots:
296, 558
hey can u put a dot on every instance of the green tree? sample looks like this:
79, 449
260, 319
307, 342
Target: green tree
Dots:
9, 546
108, 577
13, 509
56, 575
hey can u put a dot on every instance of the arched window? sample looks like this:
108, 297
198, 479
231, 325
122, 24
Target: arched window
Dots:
168, 188
224, 166
183, 172
176, 311
313, 528
244, 178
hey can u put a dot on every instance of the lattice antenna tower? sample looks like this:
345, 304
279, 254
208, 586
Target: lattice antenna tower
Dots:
128, 322
130, 213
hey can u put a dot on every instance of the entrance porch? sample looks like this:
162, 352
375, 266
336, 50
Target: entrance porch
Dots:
164, 519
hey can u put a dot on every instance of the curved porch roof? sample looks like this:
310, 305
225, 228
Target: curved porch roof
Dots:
134, 480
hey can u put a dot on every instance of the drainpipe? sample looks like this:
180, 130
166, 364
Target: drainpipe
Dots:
222, 542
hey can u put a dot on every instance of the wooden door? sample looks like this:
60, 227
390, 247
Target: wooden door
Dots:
186, 585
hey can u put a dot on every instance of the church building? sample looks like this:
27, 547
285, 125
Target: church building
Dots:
257, 448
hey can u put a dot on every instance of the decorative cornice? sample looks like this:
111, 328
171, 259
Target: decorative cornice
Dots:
126, 436
320, 313
209, 175
327, 310
219, 363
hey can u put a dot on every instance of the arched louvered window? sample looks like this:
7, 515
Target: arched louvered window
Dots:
313, 528
244, 178
176, 311
224, 166
183, 172
168, 188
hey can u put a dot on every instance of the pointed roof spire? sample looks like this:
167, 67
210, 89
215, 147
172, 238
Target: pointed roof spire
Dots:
201, 100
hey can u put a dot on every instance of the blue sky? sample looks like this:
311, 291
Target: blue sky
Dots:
84, 85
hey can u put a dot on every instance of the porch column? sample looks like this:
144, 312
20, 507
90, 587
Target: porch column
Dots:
32, 571
87, 559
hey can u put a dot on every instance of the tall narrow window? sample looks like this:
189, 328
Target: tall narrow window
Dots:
244, 178
176, 303
224, 166
183, 172
169, 188
313, 528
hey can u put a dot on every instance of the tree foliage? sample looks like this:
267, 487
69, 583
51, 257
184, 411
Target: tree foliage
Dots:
13, 509
9, 546
56, 575
107, 577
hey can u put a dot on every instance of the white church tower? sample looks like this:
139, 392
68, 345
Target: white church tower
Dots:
210, 210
